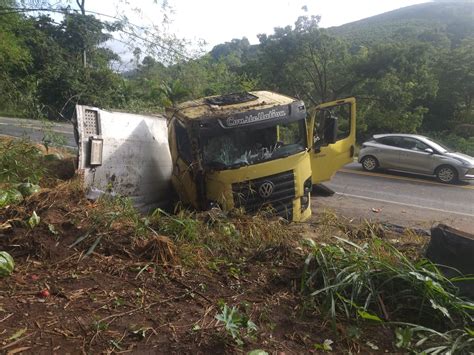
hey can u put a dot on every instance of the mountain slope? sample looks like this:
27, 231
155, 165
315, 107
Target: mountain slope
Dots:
455, 19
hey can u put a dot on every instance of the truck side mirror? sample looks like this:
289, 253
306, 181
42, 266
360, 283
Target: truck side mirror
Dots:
330, 132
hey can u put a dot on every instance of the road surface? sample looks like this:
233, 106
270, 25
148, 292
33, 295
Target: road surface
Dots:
35, 129
393, 197
399, 198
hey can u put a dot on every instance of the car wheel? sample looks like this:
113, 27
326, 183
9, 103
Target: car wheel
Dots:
369, 163
446, 174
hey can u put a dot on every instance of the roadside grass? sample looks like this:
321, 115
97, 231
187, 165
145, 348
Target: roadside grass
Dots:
212, 238
20, 161
375, 282
24, 167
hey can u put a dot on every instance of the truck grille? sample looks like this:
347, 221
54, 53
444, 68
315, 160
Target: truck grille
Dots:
254, 196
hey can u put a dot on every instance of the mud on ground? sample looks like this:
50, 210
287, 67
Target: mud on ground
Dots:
136, 295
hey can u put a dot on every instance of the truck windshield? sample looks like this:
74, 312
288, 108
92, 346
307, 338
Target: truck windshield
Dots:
251, 145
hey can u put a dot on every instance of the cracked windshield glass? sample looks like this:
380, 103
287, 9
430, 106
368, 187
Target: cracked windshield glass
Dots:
246, 146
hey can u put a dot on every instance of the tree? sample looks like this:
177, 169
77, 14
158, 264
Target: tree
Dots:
14, 61
457, 80
398, 79
305, 61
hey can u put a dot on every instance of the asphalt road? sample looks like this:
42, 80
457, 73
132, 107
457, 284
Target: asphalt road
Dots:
35, 129
397, 198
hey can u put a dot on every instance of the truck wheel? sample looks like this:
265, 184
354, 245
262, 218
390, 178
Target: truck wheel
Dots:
369, 163
446, 174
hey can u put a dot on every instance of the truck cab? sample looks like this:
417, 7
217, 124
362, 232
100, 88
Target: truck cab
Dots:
256, 151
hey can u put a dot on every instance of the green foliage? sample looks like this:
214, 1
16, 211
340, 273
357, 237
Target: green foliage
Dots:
424, 340
454, 141
457, 80
6, 264
395, 79
451, 19
109, 212
324, 346
236, 324
411, 69
20, 162
42, 69
305, 61
34, 220
10, 196
182, 227
27, 188
375, 281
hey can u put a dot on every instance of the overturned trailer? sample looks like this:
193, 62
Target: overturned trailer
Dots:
124, 154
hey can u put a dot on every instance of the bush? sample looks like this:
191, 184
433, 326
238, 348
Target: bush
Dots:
455, 142
375, 281
20, 162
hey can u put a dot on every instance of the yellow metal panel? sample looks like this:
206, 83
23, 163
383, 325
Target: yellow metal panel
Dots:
181, 177
219, 183
332, 157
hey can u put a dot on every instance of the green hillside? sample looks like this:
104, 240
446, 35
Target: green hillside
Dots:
454, 18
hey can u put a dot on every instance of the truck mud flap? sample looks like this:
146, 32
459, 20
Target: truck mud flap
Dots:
124, 154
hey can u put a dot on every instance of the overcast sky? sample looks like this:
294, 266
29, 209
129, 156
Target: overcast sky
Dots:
218, 21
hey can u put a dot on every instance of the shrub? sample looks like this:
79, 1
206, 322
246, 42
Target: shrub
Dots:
20, 162
377, 282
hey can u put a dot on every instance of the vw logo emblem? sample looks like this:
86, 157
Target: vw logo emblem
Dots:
266, 189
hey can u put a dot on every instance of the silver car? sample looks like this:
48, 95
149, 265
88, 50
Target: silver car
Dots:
415, 154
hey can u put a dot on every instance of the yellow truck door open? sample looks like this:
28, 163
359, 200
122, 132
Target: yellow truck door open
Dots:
333, 146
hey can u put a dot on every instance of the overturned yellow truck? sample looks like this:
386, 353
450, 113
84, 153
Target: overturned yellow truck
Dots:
259, 151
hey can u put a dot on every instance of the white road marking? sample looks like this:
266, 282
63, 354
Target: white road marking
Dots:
405, 204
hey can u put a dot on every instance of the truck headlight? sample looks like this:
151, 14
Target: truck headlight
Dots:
304, 201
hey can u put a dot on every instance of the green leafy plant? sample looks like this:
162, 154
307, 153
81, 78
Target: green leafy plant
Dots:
235, 323
20, 161
325, 345
424, 340
52, 229
100, 326
34, 220
182, 227
111, 210
50, 137
376, 282
27, 188
6, 264
10, 196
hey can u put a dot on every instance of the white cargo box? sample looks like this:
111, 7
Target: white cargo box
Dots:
124, 154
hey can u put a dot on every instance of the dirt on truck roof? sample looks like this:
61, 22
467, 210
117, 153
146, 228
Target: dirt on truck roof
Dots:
218, 106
